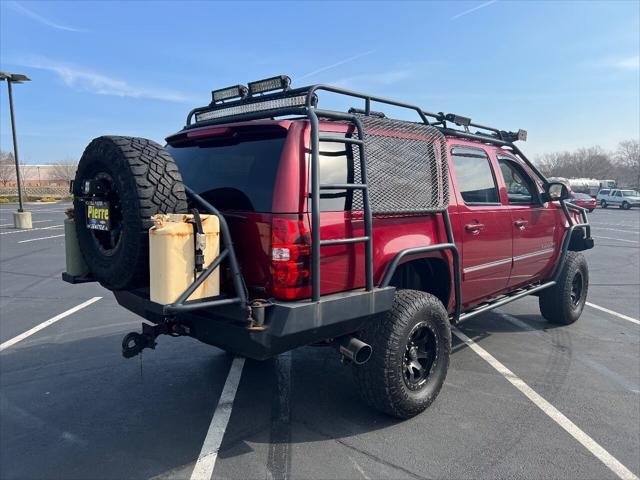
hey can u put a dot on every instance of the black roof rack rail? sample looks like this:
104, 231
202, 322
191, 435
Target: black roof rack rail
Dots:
286, 101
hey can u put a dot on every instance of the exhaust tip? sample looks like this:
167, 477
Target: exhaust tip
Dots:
355, 350
362, 355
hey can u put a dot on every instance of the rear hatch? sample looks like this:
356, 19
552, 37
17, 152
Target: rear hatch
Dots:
251, 173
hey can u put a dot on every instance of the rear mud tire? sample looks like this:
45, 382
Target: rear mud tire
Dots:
144, 180
563, 303
382, 382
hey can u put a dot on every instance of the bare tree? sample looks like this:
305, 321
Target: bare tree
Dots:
64, 170
627, 157
592, 162
7, 167
555, 164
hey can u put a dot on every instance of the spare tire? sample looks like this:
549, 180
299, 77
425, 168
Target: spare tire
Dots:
140, 180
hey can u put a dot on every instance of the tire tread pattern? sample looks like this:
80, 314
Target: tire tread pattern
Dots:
151, 184
555, 302
380, 380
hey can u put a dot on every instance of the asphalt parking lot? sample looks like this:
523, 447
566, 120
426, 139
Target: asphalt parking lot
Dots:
72, 407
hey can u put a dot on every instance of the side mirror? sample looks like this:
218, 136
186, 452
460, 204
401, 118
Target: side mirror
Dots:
555, 191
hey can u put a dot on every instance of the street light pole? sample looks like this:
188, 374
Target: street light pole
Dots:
21, 219
15, 147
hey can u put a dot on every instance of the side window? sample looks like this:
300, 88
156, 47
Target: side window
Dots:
336, 166
520, 188
475, 177
616, 193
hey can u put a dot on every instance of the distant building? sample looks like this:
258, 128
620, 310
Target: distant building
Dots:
40, 175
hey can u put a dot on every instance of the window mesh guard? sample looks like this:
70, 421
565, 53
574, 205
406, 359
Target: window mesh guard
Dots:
406, 167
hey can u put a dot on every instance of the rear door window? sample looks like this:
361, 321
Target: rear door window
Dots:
234, 173
337, 166
476, 182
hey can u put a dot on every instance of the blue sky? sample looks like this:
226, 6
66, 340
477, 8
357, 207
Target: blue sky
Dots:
568, 72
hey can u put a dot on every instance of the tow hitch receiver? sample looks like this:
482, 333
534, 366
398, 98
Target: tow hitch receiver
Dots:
133, 343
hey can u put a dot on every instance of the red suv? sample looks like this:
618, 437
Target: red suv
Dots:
348, 229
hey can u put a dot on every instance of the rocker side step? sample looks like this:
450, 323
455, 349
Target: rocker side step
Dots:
485, 307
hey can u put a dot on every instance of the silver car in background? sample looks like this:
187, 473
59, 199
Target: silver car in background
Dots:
625, 199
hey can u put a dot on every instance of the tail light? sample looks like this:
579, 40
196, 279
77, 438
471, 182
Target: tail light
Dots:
290, 258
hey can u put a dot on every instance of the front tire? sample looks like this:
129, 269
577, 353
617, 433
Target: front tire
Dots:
411, 347
563, 303
603, 203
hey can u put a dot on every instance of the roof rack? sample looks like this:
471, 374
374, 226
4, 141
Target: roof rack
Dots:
273, 97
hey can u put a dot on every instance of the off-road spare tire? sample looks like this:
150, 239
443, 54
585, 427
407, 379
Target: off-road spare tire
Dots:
142, 180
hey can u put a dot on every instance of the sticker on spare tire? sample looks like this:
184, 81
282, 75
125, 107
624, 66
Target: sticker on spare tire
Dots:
98, 215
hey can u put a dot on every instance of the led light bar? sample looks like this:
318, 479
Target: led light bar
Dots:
280, 82
236, 91
297, 101
522, 135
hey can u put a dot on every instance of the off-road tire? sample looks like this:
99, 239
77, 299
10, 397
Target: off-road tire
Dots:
625, 206
603, 203
146, 181
556, 304
381, 381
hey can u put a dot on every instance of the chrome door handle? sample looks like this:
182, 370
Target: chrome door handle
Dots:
474, 227
521, 224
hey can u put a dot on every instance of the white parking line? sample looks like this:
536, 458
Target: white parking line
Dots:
616, 239
206, 462
32, 229
611, 312
552, 412
41, 238
51, 321
34, 221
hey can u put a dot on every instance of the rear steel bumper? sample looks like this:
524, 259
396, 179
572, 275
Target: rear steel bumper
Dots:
278, 327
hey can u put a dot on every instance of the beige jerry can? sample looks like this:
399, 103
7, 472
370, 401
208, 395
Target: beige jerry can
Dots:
172, 257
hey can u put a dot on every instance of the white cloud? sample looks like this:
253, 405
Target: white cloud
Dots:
628, 63
471, 10
334, 65
631, 63
101, 84
390, 77
21, 9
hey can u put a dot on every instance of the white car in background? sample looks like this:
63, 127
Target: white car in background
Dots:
625, 199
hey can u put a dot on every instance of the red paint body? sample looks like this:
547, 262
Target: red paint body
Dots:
517, 244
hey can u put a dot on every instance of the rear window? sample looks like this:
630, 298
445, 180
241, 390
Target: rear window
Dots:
232, 173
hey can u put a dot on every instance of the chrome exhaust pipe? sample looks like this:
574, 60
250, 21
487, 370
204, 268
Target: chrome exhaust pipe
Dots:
352, 349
